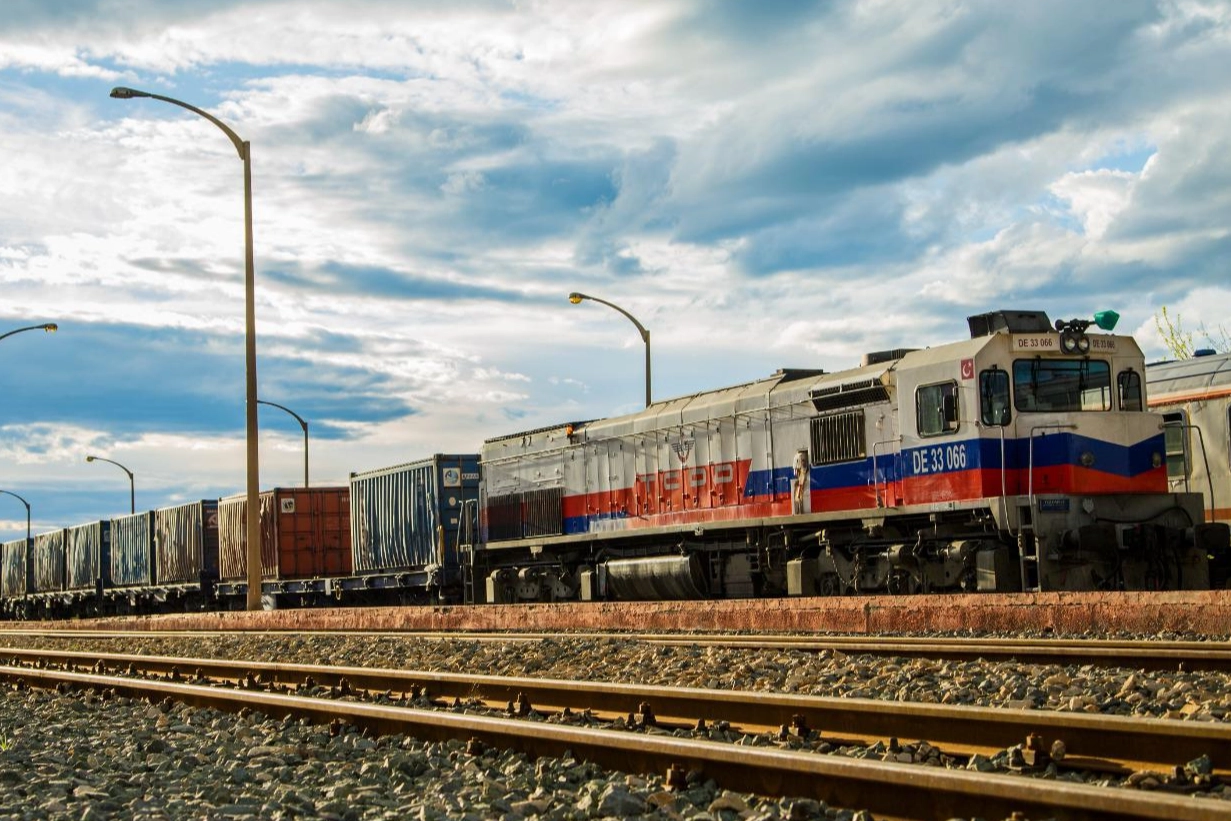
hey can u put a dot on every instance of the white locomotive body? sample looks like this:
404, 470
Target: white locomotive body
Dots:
1021, 458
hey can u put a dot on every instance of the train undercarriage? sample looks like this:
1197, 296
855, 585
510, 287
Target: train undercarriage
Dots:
956, 551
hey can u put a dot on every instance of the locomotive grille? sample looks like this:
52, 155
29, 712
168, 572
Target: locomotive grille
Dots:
865, 392
525, 515
838, 437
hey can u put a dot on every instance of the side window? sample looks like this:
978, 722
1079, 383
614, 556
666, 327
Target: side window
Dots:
994, 398
936, 409
1130, 390
1175, 435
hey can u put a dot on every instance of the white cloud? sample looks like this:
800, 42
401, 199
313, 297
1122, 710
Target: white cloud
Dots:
761, 185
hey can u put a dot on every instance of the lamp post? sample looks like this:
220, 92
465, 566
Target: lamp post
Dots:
303, 423
576, 299
253, 484
27, 504
49, 327
132, 485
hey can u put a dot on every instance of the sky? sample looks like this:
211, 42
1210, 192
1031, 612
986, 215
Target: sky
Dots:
762, 184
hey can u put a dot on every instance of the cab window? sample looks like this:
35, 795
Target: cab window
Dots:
936, 409
1130, 390
994, 398
1061, 385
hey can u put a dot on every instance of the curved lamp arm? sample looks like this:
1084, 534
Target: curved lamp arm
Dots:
49, 327
132, 482
27, 504
576, 297
303, 423
123, 93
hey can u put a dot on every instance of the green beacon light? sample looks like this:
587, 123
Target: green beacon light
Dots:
1106, 319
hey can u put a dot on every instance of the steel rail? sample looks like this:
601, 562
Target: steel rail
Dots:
900, 790
1112, 743
1147, 654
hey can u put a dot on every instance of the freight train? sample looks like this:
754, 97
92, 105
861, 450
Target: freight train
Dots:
1025, 458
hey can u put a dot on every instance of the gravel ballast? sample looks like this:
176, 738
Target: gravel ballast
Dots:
116, 758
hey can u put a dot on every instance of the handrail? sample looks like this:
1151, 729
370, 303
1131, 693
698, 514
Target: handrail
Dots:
876, 487
1205, 458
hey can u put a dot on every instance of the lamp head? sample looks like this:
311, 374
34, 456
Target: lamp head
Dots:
90, 458
576, 298
1106, 319
125, 93
51, 327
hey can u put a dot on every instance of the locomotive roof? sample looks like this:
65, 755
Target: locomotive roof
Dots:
696, 407
1183, 379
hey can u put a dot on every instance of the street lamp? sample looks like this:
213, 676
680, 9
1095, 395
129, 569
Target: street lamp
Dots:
303, 423
132, 486
576, 299
254, 504
27, 504
49, 327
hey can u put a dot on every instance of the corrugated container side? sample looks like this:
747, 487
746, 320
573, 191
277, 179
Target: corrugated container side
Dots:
408, 516
13, 580
305, 533
49, 562
87, 555
132, 550
233, 537
186, 542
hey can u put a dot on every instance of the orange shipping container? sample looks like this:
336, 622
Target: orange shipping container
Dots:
305, 534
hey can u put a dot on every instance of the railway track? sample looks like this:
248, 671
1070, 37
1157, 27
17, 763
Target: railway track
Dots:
1109, 744
1144, 654
897, 790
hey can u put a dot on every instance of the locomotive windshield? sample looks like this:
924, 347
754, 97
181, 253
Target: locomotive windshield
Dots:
1060, 385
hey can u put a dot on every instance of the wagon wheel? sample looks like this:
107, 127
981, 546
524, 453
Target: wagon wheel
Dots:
829, 585
902, 583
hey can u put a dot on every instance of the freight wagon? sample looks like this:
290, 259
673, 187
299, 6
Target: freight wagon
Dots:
47, 581
305, 542
164, 559
14, 577
407, 526
87, 571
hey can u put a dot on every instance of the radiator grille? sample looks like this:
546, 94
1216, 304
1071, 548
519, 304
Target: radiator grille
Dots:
525, 515
838, 437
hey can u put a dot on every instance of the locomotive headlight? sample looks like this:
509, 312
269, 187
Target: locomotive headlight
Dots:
1068, 342
1083, 344
1156, 459
1087, 458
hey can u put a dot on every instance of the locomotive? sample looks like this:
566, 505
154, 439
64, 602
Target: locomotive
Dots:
1193, 396
1024, 458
